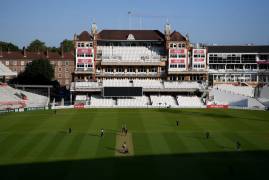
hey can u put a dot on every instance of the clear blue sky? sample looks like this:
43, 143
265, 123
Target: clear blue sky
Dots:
208, 21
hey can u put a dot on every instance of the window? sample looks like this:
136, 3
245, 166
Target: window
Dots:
181, 66
153, 69
80, 65
171, 45
88, 55
66, 63
173, 66
119, 69
80, 55
142, 69
59, 63
22, 63
66, 69
181, 45
173, 55
109, 69
181, 56
131, 69
59, 69
7, 63
59, 75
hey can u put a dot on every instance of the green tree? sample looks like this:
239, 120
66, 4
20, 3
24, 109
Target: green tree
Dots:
8, 46
36, 46
53, 49
38, 72
67, 45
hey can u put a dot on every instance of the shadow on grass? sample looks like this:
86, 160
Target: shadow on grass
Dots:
211, 114
222, 165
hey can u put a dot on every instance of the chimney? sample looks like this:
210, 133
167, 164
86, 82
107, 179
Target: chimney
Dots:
75, 37
187, 37
47, 53
24, 52
62, 51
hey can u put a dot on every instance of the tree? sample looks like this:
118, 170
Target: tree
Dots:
8, 46
67, 45
38, 72
36, 46
53, 49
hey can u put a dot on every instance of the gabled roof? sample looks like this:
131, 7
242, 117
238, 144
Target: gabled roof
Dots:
122, 35
176, 36
85, 36
238, 49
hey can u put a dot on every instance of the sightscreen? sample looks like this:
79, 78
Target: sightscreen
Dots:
122, 91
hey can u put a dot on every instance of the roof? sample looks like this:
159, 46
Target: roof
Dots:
84, 36
238, 49
35, 55
176, 36
122, 35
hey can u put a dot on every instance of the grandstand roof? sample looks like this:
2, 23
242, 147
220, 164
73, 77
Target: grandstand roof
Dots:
122, 35
84, 36
36, 55
5, 71
238, 49
176, 36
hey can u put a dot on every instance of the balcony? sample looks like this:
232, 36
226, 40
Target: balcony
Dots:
83, 70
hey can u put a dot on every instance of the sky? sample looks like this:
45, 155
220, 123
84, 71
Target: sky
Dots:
205, 21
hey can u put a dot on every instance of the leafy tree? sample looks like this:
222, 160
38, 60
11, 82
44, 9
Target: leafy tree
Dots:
67, 45
54, 49
36, 46
38, 72
8, 46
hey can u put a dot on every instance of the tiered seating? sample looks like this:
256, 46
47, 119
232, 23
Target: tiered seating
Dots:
5, 71
15, 98
142, 101
35, 100
241, 90
163, 100
86, 85
182, 85
189, 101
231, 99
98, 101
126, 53
148, 83
117, 83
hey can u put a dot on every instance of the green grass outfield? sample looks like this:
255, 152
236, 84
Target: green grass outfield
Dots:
36, 145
